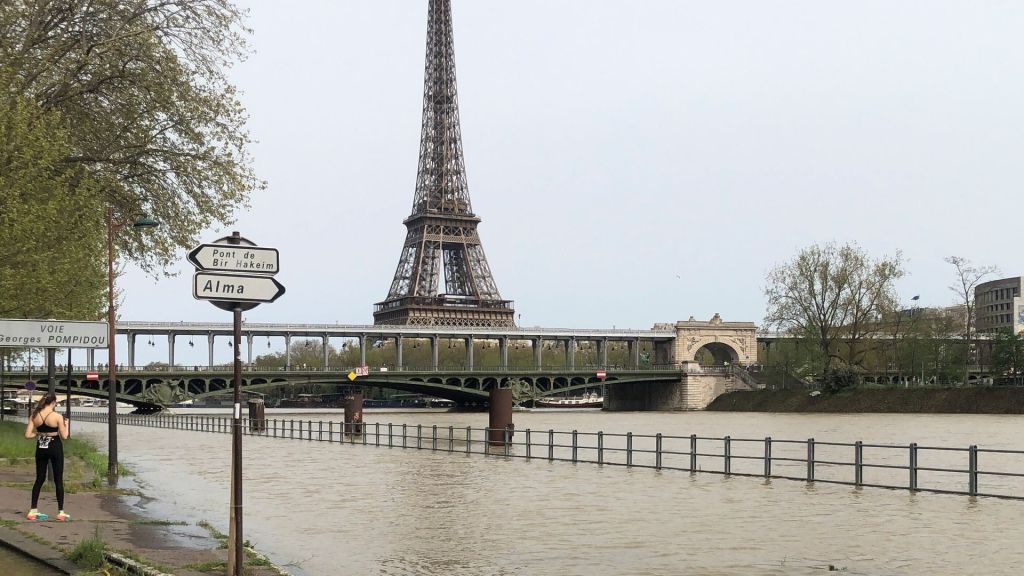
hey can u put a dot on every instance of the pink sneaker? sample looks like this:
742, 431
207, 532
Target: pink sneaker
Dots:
36, 516
63, 517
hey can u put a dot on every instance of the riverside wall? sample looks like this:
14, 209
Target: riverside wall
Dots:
981, 400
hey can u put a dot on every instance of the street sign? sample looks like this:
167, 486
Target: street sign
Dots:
30, 385
362, 370
92, 376
53, 334
352, 375
601, 374
235, 258
224, 287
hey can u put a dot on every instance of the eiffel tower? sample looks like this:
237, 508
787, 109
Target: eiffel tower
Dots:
442, 232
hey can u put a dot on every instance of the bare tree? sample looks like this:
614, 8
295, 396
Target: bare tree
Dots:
833, 295
968, 276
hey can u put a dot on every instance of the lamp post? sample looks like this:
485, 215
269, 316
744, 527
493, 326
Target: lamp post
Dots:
113, 227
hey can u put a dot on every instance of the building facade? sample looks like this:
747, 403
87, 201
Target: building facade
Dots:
994, 307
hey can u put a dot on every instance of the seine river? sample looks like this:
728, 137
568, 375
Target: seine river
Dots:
326, 509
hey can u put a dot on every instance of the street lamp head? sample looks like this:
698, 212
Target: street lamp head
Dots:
145, 222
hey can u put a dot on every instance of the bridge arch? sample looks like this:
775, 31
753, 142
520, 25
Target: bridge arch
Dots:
718, 353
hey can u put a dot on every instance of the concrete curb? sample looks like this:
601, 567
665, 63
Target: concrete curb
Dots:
18, 542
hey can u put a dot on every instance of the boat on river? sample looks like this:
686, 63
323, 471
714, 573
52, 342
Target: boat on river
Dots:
591, 400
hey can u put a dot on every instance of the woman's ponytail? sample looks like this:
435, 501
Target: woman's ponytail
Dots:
46, 400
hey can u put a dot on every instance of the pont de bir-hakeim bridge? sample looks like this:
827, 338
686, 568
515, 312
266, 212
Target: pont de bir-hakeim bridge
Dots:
652, 369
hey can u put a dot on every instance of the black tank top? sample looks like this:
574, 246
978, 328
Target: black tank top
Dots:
44, 427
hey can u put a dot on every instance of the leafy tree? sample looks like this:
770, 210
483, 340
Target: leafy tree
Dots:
967, 278
149, 114
1008, 354
51, 240
834, 296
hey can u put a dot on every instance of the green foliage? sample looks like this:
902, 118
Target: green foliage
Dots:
51, 225
834, 296
1008, 354
140, 116
89, 553
12, 441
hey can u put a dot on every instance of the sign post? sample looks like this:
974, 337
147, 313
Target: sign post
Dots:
235, 275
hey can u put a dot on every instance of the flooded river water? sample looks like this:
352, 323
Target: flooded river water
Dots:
326, 509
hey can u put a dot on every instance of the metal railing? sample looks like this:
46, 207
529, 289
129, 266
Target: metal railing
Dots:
911, 466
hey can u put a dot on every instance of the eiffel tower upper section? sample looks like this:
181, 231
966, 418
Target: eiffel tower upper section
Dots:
442, 229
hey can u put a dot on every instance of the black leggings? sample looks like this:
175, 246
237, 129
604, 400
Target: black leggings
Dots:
52, 454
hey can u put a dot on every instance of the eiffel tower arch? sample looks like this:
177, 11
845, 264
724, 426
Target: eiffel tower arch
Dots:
442, 233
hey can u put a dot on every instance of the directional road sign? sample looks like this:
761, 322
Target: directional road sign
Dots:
226, 287
234, 258
53, 334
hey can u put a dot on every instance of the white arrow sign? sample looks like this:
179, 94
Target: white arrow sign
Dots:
235, 287
234, 258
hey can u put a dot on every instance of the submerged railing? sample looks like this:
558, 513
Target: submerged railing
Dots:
911, 466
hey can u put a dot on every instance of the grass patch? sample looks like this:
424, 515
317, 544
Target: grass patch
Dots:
89, 553
213, 531
8, 523
161, 522
140, 560
217, 566
13, 443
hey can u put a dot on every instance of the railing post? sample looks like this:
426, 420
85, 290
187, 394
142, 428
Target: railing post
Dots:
376, 430
913, 466
469, 439
810, 459
972, 470
390, 440
574, 445
320, 432
858, 463
767, 456
629, 449
693, 453
657, 451
451, 438
527, 443
309, 430
433, 437
405, 435
419, 436
727, 454
508, 441
330, 431
600, 447
551, 445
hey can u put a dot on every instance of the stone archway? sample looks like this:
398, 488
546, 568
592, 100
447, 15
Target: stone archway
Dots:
717, 353
733, 342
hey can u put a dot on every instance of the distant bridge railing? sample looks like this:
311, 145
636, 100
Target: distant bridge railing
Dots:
911, 466
61, 371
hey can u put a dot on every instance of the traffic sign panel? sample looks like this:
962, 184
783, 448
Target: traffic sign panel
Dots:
225, 287
235, 258
53, 333
92, 376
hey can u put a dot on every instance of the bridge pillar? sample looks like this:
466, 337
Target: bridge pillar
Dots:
209, 348
131, 349
469, 352
287, 351
503, 352
538, 347
170, 348
325, 340
570, 353
90, 358
434, 345
398, 352
248, 346
362, 349
634, 351
602, 352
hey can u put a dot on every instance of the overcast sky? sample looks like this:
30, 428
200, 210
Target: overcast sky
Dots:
632, 161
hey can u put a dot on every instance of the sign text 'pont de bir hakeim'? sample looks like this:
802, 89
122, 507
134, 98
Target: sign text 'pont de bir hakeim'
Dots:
235, 258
